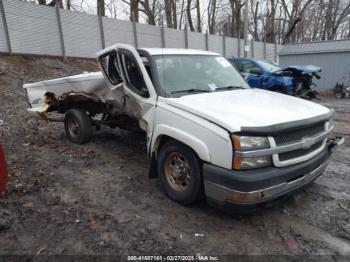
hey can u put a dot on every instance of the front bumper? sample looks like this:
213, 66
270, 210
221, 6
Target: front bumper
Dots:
250, 188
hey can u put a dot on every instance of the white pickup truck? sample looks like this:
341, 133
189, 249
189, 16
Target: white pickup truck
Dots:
208, 133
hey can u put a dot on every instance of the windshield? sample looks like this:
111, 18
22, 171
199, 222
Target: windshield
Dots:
269, 67
185, 74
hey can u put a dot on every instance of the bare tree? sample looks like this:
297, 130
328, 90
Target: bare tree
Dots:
212, 16
283, 21
270, 22
147, 7
182, 13
294, 17
189, 15
236, 7
339, 16
68, 4
255, 15
101, 11
199, 20
174, 12
168, 13
134, 10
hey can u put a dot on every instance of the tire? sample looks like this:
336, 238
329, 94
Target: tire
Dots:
187, 188
339, 95
78, 127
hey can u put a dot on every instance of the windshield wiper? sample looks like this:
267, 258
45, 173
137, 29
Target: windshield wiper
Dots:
192, 90
228, 88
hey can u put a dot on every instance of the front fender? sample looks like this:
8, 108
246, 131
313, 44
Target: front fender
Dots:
188, 139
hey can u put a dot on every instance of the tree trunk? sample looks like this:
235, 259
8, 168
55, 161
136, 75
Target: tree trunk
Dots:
255, 19
238, 20
174, 9
270, 23
189, 17
233, 13
101, 7
168, 13
328, 22
149, 11
199, 22
134, 11
212, 16
182, 13
294, 18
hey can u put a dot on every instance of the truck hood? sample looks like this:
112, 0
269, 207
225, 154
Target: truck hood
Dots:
303, 68
247, 108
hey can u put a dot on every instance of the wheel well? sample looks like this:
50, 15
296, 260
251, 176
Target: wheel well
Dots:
164, 139
161, 140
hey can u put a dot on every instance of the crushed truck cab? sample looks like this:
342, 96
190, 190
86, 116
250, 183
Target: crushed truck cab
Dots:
208, 133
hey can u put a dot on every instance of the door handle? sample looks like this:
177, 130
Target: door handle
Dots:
124, 98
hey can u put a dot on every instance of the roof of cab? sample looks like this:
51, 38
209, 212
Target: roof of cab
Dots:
159, 51
176, 51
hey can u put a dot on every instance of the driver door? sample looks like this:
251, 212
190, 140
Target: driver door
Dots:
135, 94
139, 97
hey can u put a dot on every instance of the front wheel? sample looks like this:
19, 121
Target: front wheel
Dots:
78, 127
180, 173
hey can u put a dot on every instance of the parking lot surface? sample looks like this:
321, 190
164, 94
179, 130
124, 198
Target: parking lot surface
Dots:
97, 198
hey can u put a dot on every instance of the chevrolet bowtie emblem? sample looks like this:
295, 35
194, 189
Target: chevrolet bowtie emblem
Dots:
307, 142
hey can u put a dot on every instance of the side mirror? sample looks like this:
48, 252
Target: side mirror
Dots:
255, 71
144, 92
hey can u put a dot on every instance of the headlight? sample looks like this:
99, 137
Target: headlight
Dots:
249, 143
330, 124
246, 143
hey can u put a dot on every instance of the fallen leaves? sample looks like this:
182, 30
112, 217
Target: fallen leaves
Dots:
42, 249
19, 187
40, 183
26, 144
93, 225
56, 198
291, 244
28, 205
87, 153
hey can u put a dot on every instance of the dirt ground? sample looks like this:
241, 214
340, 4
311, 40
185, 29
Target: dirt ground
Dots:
97, 199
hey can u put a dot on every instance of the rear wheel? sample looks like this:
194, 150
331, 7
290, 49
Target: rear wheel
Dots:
179, 173
78, 127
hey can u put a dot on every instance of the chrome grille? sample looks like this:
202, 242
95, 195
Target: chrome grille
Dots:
299, 152
297, 135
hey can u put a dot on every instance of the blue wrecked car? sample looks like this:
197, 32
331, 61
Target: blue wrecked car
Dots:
293, 80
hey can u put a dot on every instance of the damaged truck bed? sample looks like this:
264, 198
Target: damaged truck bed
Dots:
57, 94
87, 91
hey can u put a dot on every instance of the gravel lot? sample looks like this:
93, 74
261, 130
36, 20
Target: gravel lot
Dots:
97, 199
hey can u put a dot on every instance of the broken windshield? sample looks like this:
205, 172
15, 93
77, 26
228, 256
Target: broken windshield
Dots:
269, 67
195, 74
